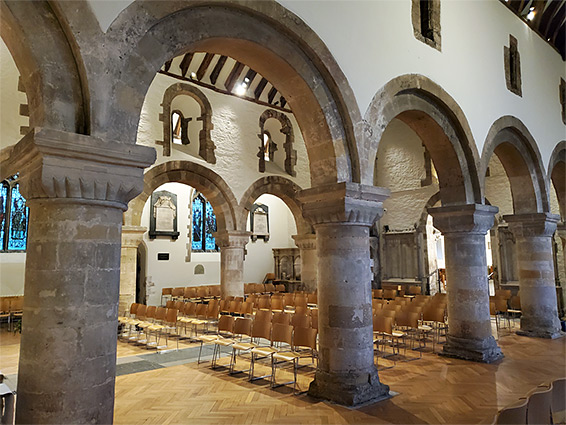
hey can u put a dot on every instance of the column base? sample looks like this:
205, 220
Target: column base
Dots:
477, 350
540, 327
541, 333
349, 389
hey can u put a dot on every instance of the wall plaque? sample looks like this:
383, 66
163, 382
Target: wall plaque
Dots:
259, 222
163, 220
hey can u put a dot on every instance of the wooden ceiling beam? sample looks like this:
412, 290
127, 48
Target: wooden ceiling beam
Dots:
204, 65
260, 87
233, 76
547, 17
271, 94
186, 63
217, 69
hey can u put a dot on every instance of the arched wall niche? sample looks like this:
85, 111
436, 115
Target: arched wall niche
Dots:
263, 35
557, 175
510, 140
51, 68
281, 187
206, 181
287, 130
206, 145
440, 123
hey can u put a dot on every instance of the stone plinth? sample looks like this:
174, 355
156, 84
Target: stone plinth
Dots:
77, 188
342, 214
132, 236
533, 234
309, 260
469, 327
232, 245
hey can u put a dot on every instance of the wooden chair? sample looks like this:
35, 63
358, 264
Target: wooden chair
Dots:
242, 328
190, 293
260, 330
513, 415
177, 293
503, 293
225, 330
382, 334
501, 311
166, 293
280, 288
539, 407
215, 291
281, 317
302, 338
301, 320
407, 322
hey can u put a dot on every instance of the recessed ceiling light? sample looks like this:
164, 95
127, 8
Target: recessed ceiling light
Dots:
193, 75
241, 89
531, 15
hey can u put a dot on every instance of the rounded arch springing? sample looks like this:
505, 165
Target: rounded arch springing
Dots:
557, 175
206, 181
511, 141
263, 35
281, 187
440, 123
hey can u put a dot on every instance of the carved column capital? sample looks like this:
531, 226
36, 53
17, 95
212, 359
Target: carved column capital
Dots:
470, 219
62, 166
132, 236
531, 225
344, 202
307, 241
232, 239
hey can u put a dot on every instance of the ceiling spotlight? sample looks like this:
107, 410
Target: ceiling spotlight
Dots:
531, 15
193, 75
532, 8
241, 89
247, 80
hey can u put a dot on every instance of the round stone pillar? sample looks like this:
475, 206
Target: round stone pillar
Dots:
533, 235
77, 188
309, 260
132, 236
342, 214
232, 249
469, 327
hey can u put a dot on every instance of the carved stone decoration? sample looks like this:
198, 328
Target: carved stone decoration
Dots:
259, 222
163, 221
206, 145
287, 130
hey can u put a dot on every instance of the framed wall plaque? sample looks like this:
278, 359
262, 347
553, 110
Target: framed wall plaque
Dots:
259, 222
163, 217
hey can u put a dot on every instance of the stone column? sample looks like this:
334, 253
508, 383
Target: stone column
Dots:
232, 245
469, 328
77, 188
342, 214
561, 232
309, 260
533, 234
131, 239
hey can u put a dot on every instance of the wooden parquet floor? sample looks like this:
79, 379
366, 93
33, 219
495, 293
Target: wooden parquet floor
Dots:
432, 390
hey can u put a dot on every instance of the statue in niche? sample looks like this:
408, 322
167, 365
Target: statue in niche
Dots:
163, 221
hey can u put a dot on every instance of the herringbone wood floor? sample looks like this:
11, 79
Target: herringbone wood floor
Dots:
431, 390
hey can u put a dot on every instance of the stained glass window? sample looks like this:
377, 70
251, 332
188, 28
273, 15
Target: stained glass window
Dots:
204, 225
14, 216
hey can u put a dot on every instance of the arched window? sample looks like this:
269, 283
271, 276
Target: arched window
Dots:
179, 128
14, 216
204, 225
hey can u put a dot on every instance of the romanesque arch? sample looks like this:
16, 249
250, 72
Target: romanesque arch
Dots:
557, 174
281, 187
52, 71
206, 145
509, 139
439, 122
206, 181
287, 130
263, 35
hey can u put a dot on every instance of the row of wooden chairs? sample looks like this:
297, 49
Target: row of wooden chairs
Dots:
263, 288
502, 308
389, 293
285, 343
544, 405
143, 321
11, 309
190, 293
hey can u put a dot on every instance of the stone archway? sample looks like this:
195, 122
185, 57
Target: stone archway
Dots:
281, 187
206, 181
440, 123
509, 139
264, 36
557, 175
531, 223
206, 145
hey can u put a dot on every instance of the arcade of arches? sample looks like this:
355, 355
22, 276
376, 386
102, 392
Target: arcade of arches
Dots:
180, 144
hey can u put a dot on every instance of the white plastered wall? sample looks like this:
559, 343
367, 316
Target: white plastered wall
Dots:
12, 264
235, 134
177, 271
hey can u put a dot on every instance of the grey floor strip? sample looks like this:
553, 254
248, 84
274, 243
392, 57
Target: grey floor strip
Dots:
135, 367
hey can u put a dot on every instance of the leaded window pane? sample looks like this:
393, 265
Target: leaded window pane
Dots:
210, 228
3, 212
198, 211
19, 215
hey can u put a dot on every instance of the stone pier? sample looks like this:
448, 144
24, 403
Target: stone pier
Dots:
309, 260
77, 188
132, 236
342, 215
533, 234
469, 327
232, 245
